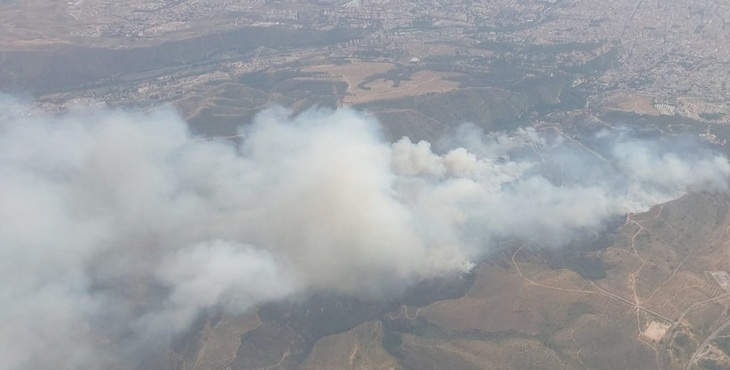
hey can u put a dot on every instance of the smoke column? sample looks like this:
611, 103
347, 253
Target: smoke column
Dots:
120, 228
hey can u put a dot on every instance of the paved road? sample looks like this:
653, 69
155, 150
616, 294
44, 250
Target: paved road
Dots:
669, 336
704, 344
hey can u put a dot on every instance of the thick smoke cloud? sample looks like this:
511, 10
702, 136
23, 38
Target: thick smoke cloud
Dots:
120, 228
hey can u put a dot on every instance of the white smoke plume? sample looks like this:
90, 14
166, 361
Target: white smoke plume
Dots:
120, 228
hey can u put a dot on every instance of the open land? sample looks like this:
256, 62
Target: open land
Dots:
654, 296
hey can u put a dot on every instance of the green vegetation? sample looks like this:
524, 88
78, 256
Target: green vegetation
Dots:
712, 365
586, 265
724, 344
392, 341
491, 109
712, 116
419, 327
438, 289
578, 309
681, 340
64, 68
596, 65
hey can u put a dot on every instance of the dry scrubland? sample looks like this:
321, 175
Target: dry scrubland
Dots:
654, 309
644, 299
